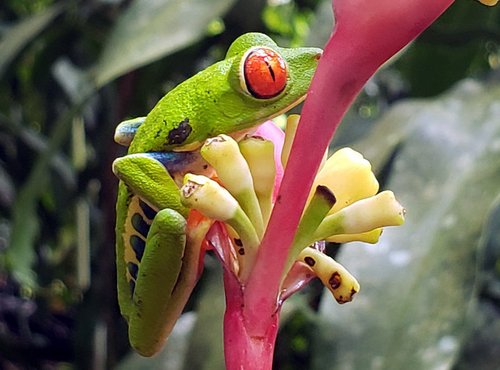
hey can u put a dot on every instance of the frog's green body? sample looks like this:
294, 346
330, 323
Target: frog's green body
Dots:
157, 260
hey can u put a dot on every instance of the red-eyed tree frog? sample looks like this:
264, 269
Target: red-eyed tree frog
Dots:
157, 259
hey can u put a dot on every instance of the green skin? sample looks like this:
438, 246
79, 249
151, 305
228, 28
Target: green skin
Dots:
156, 255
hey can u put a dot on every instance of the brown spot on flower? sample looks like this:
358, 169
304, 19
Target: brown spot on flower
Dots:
189, 188
327, 194
241, 251
342, 300
238, 242
310, 261
335, 280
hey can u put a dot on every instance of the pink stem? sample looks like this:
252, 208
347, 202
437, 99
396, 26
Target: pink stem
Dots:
367, 34
243, 350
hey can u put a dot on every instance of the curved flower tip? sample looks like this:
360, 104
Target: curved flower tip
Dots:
332, 274
362, 217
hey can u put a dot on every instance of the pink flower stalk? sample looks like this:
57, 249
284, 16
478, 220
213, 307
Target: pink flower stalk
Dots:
367, 33
348, 175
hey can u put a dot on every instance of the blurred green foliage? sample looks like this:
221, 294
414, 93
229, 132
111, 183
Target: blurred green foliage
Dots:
71, 70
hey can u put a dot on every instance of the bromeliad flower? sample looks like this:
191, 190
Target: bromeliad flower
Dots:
270, 234
366, 34
343, 206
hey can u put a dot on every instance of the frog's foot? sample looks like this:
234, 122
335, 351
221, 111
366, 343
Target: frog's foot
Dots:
125, 131
147, 176
177, 164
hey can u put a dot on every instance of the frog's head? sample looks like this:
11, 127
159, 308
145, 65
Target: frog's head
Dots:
269, 79
256, 81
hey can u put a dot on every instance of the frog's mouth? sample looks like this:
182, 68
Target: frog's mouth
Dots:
286, 109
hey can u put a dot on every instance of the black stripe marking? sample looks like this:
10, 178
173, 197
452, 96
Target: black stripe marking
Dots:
138, 245
149, 212
133, 269
140, 225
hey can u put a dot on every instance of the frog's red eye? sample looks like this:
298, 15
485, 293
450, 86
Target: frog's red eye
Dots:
264, 73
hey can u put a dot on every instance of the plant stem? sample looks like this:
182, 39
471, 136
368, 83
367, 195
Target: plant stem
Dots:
367, 33
246, 347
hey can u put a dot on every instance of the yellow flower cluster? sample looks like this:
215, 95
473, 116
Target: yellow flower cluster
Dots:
344, 205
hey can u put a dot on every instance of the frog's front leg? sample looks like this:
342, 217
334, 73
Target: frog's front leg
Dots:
146, 175
157, 264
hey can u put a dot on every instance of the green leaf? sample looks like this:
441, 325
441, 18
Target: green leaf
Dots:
22, 33
20, 255
151, 29
418, 283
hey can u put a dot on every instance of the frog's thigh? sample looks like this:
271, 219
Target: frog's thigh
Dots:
154, 313
146, 175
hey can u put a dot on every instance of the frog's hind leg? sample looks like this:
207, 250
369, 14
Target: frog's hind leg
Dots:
157, 269
155, 273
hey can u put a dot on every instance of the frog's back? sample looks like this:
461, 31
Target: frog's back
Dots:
222, 98
186, 114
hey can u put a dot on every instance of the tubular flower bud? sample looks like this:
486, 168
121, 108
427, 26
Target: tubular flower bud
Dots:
363, 216
259, 154
208, 197
213, 201
319, 206
223, 154
349, 176
332, 274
